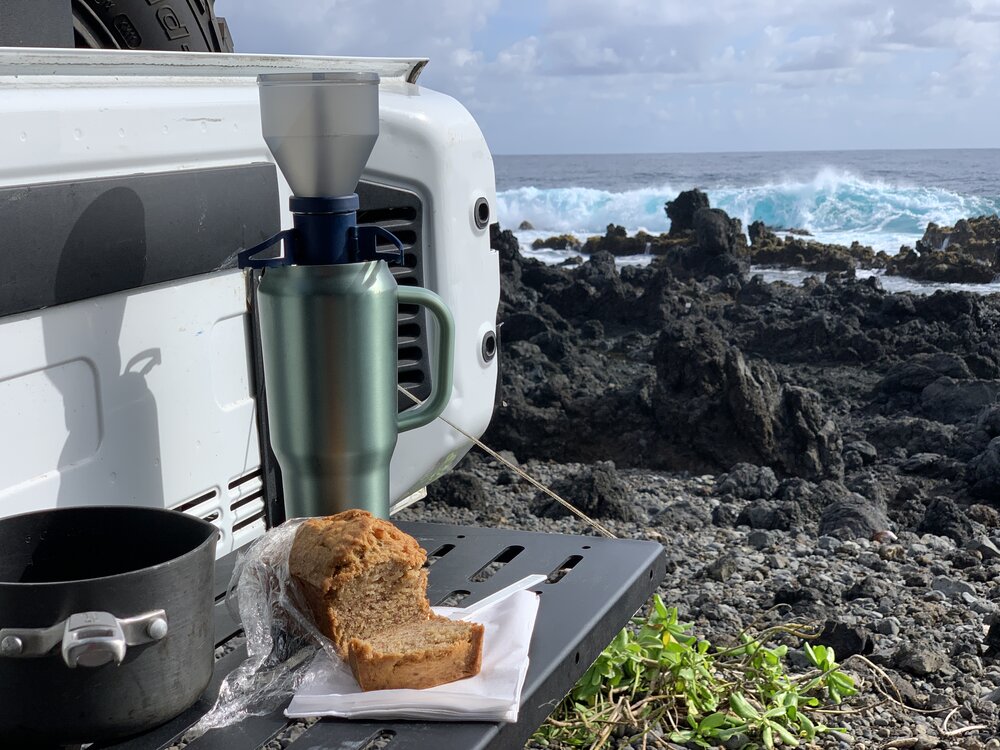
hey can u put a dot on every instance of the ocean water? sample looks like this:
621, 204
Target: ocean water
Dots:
880, 198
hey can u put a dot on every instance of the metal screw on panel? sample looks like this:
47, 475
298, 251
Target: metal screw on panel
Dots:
481, 213
11, 646
157, 629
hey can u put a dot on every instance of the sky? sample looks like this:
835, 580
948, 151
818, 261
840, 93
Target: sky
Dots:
649, 76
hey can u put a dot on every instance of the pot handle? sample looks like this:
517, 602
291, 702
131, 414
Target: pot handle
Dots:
88, 639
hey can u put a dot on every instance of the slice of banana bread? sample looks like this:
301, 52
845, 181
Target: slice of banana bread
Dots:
417, 655
360, 576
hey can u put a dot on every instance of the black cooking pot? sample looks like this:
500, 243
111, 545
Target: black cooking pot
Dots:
105, 622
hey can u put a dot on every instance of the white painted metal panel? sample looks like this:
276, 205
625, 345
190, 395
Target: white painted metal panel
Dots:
138, 398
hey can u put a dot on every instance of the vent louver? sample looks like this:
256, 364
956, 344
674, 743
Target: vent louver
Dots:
246, 506
401, 212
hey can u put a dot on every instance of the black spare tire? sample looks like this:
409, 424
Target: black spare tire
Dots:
177, 25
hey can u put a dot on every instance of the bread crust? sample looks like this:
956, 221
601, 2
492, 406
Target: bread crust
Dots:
327, 551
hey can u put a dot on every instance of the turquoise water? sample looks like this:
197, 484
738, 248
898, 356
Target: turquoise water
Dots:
880, 198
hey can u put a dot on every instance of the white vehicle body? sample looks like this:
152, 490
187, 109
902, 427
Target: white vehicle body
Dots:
145, 396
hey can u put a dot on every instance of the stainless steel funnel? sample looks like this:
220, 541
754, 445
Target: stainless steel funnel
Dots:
320, 127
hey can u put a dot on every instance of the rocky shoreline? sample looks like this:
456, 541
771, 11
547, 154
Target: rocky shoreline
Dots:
968, 252
832, 448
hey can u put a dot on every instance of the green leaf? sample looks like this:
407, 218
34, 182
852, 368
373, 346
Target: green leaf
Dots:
741, 707
731, 732
807, 726
843, 683
816, 654
772, 712
787, 738
712, 721
659, 607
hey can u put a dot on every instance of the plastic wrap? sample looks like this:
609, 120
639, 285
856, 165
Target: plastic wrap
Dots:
283, 644
281, 639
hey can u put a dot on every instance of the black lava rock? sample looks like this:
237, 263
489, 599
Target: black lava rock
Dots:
714, 231
949, 400
846, 640
944, 518
851, 516
869, 587
727, 409
747, 482
458, 489
597, 491
681, 210
793, 595
919, 659
984, 471
773, 515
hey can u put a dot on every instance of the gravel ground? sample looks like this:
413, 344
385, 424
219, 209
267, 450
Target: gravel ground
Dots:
917, 604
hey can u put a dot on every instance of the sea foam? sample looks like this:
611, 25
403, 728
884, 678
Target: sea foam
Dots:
835, 206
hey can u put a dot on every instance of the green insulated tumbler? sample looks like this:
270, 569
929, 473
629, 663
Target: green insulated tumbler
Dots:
328, 334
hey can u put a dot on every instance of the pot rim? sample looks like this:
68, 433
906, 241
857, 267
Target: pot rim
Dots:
211, 539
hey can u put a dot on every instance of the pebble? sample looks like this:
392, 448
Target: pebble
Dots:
871, 560
760, 539
888, 626
951, 587
829, 543
721, 569
982, 607
985, 547
938, 543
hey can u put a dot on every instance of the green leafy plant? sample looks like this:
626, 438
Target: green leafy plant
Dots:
658, 680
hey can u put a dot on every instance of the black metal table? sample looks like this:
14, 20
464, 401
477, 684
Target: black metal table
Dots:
595, 585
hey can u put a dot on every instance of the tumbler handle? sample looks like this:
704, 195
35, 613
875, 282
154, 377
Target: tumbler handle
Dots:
440, 394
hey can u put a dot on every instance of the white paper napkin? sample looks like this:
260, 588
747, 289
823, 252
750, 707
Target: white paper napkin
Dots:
329, 688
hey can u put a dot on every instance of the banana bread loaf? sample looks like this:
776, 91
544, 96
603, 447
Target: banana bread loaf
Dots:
421, 654
360, 576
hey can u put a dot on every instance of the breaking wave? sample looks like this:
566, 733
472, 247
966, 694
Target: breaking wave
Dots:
836, 206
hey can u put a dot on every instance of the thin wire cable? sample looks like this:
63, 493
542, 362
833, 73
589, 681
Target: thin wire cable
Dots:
600, 528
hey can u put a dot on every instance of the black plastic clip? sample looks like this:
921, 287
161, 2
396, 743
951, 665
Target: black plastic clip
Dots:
367, 238
245, 259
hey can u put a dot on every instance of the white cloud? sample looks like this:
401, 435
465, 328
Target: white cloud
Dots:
520, 57
587, 70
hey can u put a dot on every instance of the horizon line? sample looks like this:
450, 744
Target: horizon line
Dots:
760, 151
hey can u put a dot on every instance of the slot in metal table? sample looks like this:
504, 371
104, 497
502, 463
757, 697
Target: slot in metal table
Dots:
594, 586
